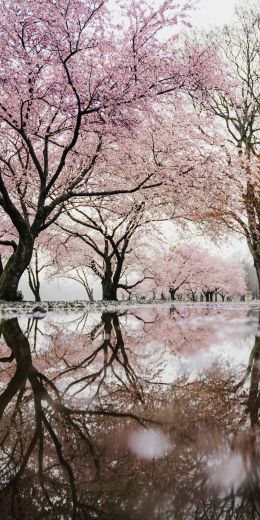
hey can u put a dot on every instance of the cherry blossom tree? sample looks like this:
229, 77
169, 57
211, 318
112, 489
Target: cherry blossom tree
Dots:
224, 277
190, 270
73, 86
237, 117
174, 270
105, 240
181, 191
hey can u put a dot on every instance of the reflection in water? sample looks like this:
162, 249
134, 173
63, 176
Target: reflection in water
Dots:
142, 415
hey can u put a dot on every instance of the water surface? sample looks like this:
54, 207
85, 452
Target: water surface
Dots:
143, 413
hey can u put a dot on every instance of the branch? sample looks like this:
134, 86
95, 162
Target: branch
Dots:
10, 243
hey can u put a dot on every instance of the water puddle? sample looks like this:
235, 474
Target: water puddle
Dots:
144, 413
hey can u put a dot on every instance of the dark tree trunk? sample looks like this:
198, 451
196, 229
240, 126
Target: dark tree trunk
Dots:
90, 293
172, 293
35, 287
36, 293
110, 281
209, 296
109, 290
223, 297
13, 270
257, 267
33, 277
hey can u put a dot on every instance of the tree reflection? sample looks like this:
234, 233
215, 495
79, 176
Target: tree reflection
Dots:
114, 359
74, 403
43, 440
49, 416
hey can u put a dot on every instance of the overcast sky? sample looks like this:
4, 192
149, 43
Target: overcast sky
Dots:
209, 13
213, 12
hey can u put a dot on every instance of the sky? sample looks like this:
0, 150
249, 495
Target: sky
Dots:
209, 13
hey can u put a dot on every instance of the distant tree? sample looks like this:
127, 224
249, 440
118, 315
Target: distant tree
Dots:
190, 270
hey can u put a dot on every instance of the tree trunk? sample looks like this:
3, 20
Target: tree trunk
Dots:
36, 293
109, 290
34, 286
33, 278
257, 267
15, 267
89, 292
172, 293
110, 280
